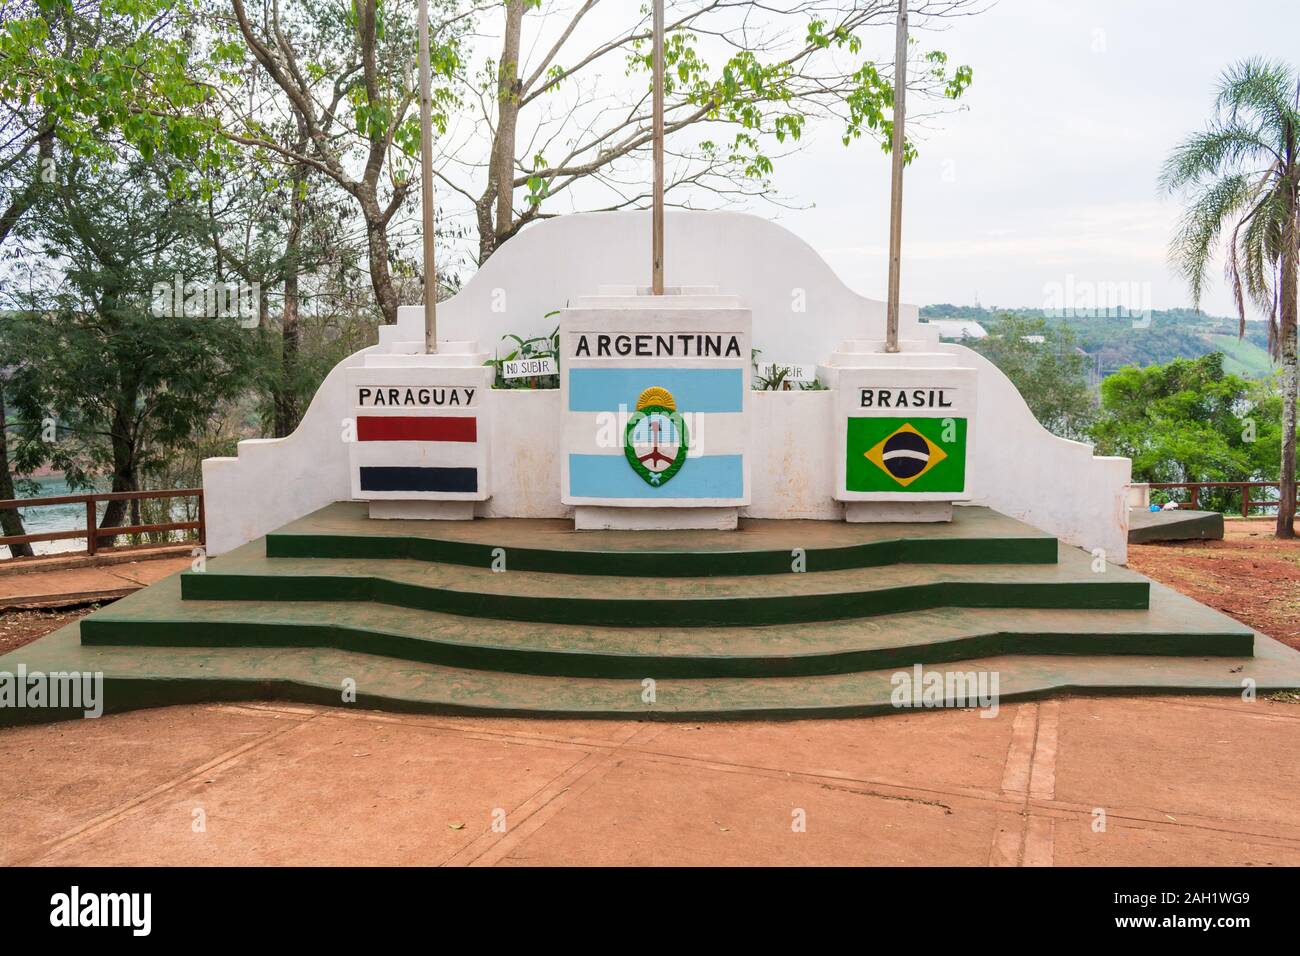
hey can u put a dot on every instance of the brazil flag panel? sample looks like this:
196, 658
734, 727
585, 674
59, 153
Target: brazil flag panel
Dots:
906, 454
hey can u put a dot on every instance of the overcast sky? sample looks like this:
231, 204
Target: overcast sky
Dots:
1051, 170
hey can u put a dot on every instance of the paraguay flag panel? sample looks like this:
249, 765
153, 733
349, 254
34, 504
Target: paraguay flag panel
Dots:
399, 456
418, 439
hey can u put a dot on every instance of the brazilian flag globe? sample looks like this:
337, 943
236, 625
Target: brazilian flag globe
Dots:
906, 454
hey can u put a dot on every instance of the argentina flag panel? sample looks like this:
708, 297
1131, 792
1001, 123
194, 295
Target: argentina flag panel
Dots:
655, 391
419, 433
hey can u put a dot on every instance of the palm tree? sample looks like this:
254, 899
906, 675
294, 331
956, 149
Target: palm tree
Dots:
1242, 174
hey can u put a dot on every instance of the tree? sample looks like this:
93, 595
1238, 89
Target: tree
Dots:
345, 74
741, 80
72, 71
1045, 364
105, 348
1242, 174
280, 226
10, 521
563, 123
1187, 421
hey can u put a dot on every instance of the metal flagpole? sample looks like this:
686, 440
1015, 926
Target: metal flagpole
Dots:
426, 186
657, 234
896, 178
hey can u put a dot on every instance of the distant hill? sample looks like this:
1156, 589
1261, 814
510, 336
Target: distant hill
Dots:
1113, 341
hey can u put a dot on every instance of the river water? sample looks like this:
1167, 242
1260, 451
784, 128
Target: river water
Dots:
63, 517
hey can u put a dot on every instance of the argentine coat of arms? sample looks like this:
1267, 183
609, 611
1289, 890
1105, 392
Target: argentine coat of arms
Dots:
655, 440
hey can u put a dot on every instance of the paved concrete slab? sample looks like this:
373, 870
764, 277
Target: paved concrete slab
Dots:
1192, 741
69, 776
647, 813
65, 586
285, 783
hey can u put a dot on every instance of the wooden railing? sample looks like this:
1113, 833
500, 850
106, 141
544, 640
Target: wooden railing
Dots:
1246, 501
91, 532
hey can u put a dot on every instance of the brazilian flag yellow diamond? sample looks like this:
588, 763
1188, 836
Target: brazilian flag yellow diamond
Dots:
912, 454
906, 455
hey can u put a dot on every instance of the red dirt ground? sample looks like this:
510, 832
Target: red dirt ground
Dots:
1250, 575
19, 627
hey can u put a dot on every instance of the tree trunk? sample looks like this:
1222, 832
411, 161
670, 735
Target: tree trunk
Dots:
24, 199
1290, 375
286, 394
381, 278
486, 233
124, 476
11, 522
509, 88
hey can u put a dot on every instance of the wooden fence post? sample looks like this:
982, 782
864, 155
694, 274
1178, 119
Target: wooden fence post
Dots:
90, 525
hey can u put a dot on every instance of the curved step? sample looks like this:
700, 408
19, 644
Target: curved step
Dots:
142, 677
975, 536
246, 574
1174, 626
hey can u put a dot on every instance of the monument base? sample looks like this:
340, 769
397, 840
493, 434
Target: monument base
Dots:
868, 512
422, 510
593, 518
415, 615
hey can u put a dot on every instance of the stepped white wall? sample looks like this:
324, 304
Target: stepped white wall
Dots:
802, 313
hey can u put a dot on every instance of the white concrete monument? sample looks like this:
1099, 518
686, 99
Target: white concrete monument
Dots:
586, 451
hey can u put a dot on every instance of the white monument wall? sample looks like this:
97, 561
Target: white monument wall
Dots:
802, 313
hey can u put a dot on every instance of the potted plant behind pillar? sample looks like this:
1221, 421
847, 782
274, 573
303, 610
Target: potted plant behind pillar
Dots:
778, 378
541, 347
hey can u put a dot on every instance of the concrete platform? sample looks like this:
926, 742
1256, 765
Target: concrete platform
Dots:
978, 536
1173, 625
141, 676
248, 574
429, 622
1145, 527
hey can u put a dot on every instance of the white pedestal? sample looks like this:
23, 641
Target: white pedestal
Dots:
422, 510
592, 518
420, 433
868, 512
655, 394
904, 430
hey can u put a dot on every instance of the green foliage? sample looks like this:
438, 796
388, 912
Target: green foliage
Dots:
361, 97
1240, 179
774, 98
1189, 420
1113, 341
1241, 174
109, 70
128, 389
538, 347
1051, 374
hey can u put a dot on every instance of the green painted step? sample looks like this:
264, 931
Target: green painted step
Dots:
246, 574
975, 536
151, 676
1174, 625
